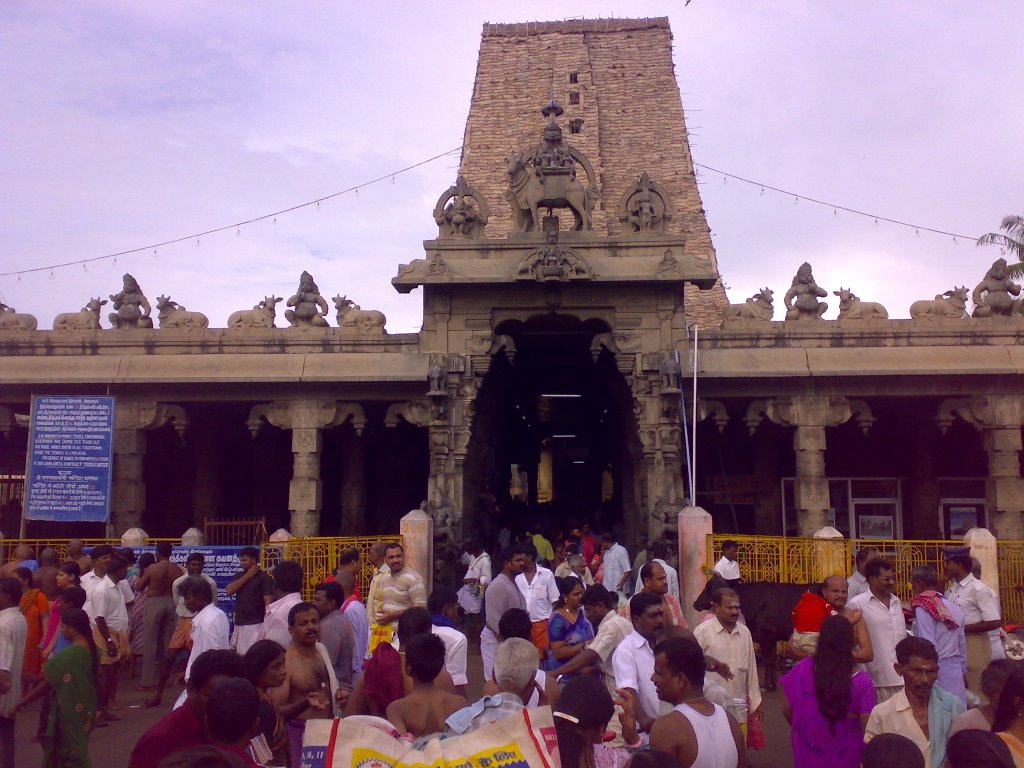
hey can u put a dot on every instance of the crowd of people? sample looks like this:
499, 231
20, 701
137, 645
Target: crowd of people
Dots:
576, 625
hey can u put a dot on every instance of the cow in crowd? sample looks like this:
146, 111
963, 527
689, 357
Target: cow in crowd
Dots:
768, 612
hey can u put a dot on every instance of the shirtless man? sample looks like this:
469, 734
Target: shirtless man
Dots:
45, 576
159, 616
383, 663
76, 552
22, 553
424, 711
309, 687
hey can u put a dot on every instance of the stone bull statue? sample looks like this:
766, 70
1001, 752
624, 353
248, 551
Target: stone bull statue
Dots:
87, 319
11, 320
351, 317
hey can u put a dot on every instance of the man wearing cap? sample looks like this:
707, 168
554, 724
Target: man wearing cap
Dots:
981, 612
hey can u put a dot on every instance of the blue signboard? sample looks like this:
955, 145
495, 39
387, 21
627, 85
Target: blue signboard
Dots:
220, 563
70, 459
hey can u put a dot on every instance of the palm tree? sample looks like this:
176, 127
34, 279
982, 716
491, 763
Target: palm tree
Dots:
1012, 241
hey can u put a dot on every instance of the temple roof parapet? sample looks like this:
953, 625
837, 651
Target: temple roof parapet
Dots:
637, 258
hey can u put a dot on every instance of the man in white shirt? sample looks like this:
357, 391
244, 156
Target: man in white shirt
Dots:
727, 567
995, 635
109, 617
919, 701
183, 631
100, 556
615, 561
729, 642
287, 593
540, 592
659, 551
443, 605
883, 612
633, 660
210, 629
478, 576
857, 584
13, 630
981, 612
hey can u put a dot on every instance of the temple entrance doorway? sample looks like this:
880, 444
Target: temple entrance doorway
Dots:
554, 440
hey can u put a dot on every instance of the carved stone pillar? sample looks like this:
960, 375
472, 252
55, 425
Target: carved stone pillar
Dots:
305, 418
128, 489
999, 417
810, 415
656, 404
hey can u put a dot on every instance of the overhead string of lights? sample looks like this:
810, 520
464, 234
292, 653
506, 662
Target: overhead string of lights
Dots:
797, 197
237, 226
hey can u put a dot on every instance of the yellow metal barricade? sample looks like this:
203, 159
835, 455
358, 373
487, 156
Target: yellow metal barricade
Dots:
7, 546
318, 557
798, 560
1011, 580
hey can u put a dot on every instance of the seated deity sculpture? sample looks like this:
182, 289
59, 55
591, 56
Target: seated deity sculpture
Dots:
310, 307
131, 307
994, 294
801, 299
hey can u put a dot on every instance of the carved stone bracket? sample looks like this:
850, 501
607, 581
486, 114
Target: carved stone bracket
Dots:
305, 414
809, 415
981, 412
465, 215
415, 412
603, 341
9, 420
809, 411
999, 419
715, 410
150, 416
502, 342
645, 207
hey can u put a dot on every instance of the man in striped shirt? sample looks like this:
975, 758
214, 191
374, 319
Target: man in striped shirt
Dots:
398, 590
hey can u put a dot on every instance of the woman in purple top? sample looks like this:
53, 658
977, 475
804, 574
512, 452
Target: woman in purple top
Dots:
827, 704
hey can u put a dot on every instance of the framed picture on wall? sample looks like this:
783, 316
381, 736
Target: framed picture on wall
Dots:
959, 516
875, 526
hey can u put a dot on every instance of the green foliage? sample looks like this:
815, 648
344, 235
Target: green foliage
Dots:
1011, 239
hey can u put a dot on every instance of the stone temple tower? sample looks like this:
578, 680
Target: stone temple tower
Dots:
616, 81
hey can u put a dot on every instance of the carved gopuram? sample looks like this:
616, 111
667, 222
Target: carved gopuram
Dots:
570, 289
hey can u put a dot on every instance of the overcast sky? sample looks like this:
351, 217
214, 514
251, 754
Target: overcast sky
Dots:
129, 123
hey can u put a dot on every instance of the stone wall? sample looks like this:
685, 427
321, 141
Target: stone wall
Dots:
632, 121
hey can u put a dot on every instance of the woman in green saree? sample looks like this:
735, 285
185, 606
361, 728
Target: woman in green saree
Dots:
71, 675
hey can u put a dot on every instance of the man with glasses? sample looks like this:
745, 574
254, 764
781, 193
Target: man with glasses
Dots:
883, 613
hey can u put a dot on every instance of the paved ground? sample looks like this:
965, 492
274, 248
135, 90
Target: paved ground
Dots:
112, 746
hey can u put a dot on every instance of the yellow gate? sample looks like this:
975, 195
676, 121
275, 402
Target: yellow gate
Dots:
319, 557
797, 560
